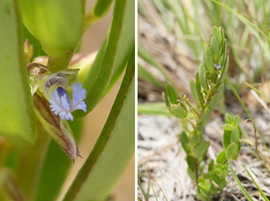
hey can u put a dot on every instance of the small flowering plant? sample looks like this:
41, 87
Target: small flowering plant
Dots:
46, 93
206, 91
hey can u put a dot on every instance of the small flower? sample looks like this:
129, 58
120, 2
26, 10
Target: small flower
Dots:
62, 105
218, 66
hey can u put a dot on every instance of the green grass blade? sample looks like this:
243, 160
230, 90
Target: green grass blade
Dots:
17, 115
258, 91
243, 19
262, 193
265, 23
145, 55
244, 107
154, 109
149, 179
236, 179
113, 149
144, 74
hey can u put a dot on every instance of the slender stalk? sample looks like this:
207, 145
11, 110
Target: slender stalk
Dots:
193, 125
60, 63
196, 170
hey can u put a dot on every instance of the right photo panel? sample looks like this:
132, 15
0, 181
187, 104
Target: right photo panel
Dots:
203, 100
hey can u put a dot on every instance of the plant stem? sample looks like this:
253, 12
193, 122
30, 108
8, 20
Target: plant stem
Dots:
187, 102
60, 63
196, 170
193, 125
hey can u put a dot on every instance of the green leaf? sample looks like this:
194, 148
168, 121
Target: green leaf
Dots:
191, 174
214, 101
218, 34
224, 173
202, 77
195, 138
226, 138
199, 88
205, 117
211, 165
57, 37
228, 119
221, 158
235, 135
113, 56
199, 128
225, 71
223, 61
17, 117
259, 188
237, 180
236, 120
207, 185
191, 163
144, 74
166, 100
184, 141
201, 149
194, 92
227, 127
214, 46
154, 109
208, 60
171, 93
233, 151
114, 147
99, 10
179, 110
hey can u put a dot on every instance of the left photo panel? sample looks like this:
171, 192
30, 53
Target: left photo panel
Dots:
67, 103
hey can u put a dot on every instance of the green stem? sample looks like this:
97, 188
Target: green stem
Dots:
193, 125
60, 63
187, 102
196, 170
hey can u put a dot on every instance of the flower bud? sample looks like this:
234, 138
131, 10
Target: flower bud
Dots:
28, 51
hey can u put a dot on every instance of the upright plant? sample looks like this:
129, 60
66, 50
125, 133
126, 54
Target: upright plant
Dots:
206, 91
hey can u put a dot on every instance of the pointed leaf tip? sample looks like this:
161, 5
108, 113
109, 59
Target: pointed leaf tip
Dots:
58, 129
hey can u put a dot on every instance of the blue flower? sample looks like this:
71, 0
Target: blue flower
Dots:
62, 105
218, 66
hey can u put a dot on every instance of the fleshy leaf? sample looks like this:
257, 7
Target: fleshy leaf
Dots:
17, 115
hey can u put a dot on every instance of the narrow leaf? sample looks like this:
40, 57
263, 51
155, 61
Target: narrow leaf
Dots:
113, 58
17, 115
113, 149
